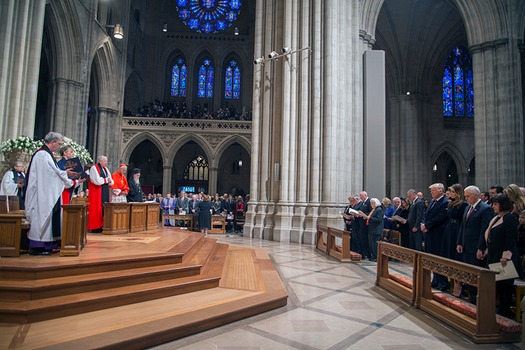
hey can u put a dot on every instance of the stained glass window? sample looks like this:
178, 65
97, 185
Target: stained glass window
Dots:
206, 80
178, 79
208, 16
232, 81
458, 85
197, 169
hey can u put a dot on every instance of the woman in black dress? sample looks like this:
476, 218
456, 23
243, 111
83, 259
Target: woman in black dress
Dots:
501, 246
455, 211
205, 209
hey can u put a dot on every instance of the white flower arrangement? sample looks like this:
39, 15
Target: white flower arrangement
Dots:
28, 145
21, 143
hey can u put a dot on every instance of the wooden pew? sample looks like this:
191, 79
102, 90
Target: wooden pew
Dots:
74, 228
218, 224
14, 203
343, 253
400, 285
321, 240
479, 321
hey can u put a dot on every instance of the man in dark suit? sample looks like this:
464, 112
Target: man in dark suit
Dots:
356, 228
363, 229
433, 226
415, 217
472, 230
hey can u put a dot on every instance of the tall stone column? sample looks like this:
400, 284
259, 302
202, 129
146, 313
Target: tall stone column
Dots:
407, 147
21, 32
498, 122
64, 97
307, 118
166, 178
212, 180
106, 144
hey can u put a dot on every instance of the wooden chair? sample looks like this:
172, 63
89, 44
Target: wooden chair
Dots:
4, 205
14, 203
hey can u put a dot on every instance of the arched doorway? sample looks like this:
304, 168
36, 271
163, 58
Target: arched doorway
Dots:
147, 157
190, 169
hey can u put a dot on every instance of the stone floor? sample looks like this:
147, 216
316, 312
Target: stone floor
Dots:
331, 305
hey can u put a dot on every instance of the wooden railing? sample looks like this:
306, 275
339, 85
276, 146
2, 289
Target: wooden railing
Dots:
479, 321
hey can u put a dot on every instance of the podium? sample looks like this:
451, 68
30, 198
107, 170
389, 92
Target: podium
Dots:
152, 216
116, 218
74, 228
137, 220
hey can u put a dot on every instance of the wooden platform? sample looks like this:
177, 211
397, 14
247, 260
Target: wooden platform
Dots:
133, 291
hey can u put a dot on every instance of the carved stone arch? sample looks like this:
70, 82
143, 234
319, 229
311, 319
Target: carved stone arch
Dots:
135, 141
62, 30
198, 139
368, 19
104, 92
486, 20
230, 140
453, 151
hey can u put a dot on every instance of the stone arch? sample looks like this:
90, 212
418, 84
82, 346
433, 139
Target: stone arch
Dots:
453, 151
228, 141
198, 139
486, 20
62, 30
135, 141
104, 68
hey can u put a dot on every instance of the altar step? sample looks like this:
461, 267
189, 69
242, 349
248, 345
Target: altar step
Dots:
30, 294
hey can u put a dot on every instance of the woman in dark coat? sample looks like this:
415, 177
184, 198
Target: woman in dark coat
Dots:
205, 208
375, 227
501, 246
455, 211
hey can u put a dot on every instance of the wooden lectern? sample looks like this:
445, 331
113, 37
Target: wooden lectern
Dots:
152, 217
137, 220
74, 228
116, 218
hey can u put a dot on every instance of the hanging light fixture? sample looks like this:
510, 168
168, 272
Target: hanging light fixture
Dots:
165, 27
118, 32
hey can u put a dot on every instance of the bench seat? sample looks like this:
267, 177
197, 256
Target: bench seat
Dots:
505, 324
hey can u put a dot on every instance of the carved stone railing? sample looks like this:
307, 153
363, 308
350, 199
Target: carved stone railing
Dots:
148, 123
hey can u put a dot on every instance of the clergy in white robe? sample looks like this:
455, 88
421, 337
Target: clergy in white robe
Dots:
13, 183
45, 183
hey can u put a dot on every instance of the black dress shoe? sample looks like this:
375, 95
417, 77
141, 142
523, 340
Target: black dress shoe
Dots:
39, 251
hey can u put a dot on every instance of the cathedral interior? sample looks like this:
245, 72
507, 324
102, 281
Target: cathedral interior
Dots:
297, 103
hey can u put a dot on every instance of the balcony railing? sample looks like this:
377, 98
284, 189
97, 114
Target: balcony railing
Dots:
148, 123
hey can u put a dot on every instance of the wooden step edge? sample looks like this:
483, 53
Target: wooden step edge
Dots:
200, 254
214, 263
45, 288
88, 266
184, 246
30, 311
160, 331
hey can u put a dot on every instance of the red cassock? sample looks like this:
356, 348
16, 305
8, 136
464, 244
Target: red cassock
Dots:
95, 200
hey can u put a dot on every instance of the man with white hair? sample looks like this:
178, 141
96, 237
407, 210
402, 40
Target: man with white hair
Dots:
45, 182
99, 182
14, 183
120, 187
476, 219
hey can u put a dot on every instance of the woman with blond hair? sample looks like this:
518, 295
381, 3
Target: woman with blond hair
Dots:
513, 192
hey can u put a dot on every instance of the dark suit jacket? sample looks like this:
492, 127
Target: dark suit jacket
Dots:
472, 231
435, 220
415, 214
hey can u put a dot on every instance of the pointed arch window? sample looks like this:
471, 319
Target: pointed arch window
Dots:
458, 85
232, 81
197, 169
178, 78
206, 80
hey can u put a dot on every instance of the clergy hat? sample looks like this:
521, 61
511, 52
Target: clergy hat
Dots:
136, 171
121, 165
